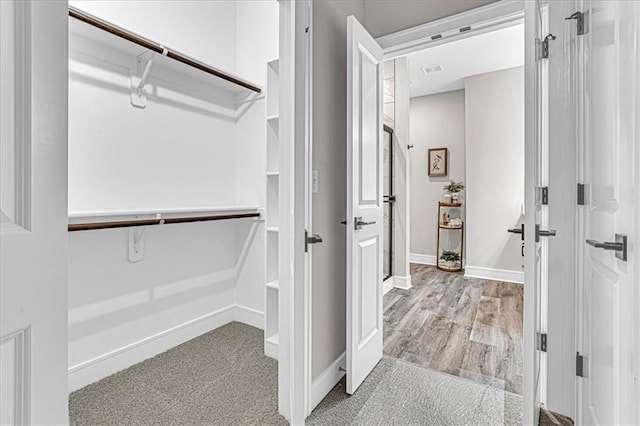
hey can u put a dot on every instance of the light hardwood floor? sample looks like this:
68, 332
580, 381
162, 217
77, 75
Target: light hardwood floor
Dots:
467, 327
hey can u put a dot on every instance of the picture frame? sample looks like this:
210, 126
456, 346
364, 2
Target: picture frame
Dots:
437, 162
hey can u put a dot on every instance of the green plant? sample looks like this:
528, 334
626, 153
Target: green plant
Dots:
454, 187
449, 256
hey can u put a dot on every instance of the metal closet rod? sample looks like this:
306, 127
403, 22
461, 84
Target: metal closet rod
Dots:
156, 47
163, 221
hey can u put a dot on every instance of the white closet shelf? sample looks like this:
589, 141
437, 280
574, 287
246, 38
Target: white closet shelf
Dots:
98, 33
273, 229
276, 174
273, 117
275, 285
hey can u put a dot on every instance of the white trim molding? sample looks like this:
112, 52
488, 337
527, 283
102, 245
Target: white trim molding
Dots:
92, 370
403, 283
423, 259
249, 316
326, 381
494, 16
494, 274
387, 285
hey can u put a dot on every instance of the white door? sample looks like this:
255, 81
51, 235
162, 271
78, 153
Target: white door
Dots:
364, 204
610, 285
33, 224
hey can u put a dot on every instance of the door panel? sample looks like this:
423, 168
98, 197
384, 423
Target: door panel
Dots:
608, 294
33, 230
364, 204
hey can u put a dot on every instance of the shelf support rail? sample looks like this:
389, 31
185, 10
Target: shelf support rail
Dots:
157, 48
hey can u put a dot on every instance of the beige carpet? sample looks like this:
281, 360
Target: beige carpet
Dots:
223, 378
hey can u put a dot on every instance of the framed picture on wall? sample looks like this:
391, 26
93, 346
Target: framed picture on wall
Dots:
437, 162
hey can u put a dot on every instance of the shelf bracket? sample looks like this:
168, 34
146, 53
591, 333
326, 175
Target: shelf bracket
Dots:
140, 77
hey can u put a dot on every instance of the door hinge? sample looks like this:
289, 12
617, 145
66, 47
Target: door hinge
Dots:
543, 194
541, 342
581, 367
581, 198
581, 24
543, 46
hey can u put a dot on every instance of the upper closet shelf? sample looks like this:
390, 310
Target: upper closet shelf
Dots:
104, 33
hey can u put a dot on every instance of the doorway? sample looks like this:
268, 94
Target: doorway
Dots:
462, 314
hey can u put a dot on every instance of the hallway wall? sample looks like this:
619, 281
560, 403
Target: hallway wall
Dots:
436, 121
494, 110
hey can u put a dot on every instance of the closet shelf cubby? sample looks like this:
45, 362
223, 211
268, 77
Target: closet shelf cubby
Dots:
272, 255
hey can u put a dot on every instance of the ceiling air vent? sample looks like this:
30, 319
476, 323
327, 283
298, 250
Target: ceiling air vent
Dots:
432, 69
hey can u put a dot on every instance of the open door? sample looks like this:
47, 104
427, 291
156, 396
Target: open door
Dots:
609, 334
364, 204
33, 212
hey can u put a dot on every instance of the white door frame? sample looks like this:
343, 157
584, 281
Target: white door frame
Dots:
294, 316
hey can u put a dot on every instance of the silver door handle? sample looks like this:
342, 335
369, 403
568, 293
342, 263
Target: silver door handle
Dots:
619, 246
544, 233
359, 223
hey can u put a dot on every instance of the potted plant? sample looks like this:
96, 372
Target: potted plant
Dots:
454, 188
450, 258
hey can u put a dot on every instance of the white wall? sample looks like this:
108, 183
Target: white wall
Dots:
187, 148
436, 121
494, 110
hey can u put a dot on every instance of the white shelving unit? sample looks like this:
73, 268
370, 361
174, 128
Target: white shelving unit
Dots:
272, 212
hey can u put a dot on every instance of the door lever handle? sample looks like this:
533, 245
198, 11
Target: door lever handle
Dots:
619, 246
359, 223
518, 231
544, 233
310, 239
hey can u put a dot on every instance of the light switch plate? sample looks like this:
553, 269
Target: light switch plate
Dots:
136, 244
315, 182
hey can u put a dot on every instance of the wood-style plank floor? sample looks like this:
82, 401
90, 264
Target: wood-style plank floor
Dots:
467, 327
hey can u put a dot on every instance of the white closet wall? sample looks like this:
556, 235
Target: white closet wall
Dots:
189, 148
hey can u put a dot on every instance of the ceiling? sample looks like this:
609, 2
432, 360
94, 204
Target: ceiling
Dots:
491, 51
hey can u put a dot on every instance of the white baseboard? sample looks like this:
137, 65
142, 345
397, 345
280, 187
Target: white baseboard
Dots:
90, 371
326, 381
402, 282
387, 285
424, 259
494, 274
249, 316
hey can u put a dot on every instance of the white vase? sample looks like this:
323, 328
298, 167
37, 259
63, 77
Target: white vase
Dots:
454, 197
447, 197
450, 263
